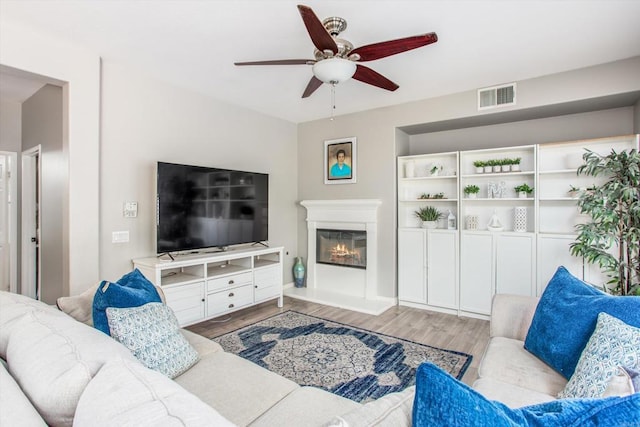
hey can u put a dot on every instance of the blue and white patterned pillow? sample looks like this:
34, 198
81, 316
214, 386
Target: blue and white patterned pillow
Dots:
151, 332
612, 344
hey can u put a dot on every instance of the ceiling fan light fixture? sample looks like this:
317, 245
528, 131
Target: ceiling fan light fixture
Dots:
334, 70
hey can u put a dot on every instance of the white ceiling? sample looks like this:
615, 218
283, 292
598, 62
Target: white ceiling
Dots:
194, 43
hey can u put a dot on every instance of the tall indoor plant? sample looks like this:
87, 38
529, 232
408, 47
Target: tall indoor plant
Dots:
614, 208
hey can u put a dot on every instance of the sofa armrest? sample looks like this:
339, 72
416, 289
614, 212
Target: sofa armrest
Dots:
511, 315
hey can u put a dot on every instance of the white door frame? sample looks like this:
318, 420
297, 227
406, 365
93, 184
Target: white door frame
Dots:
31, 218
10, 192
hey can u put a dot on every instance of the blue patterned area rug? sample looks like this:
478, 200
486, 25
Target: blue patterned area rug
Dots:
354, 363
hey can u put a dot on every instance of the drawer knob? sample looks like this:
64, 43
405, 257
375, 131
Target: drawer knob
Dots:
231, 282
231, 305
231, 294
256, 286
202, 299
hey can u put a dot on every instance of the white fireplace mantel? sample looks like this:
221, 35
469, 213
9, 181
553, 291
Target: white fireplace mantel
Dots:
336, 285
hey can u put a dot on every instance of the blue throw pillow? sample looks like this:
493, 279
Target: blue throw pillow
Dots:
566, 317
441, 400
131, 290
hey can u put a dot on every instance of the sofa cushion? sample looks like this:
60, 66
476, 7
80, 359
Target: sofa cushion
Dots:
613, 344
80, 307
566, 317
512, 395
152, 333
634, 376
12, 308
240, 390
53, 357
441, 400
621, 383
126, 393
308, 406
16, 408
203, 346
131, 290
507, 361
393, 409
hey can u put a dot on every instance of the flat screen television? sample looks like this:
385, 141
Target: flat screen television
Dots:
200, 207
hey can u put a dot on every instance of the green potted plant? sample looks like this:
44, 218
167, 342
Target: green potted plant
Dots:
523, 190
515, 164
505, 165
614, 208
495, 164
488, 166
429, 216
479, 164
471, 191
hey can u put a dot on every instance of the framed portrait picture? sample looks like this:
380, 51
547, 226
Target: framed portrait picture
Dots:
340, 161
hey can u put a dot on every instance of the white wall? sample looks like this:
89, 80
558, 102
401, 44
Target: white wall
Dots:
376, 132
145, 121
78, 72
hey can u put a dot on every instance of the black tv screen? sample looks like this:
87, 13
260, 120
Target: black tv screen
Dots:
199, 207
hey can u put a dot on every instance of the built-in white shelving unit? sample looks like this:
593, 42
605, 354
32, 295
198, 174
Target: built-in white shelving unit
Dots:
459, 271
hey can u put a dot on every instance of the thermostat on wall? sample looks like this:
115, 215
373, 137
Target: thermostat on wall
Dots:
130, 209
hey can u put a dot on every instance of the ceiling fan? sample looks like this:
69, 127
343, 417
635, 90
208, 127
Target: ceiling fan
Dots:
335, 58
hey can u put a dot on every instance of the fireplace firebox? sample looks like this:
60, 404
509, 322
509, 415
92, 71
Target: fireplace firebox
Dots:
345, 248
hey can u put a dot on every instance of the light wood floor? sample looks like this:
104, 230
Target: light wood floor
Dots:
426, 327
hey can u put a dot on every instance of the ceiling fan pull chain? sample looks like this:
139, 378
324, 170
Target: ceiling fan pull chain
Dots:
333, 99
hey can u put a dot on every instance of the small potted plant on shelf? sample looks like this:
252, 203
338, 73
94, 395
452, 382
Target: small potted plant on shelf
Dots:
523, 190
515, 164
436, 169
488, 166
429, 216
471, 191
496, 165
505, 165
479, 164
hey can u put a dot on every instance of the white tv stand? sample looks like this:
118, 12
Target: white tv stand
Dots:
202, 286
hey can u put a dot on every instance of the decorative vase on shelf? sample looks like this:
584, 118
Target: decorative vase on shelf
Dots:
520, 219
430, 224
298, 273
409, 169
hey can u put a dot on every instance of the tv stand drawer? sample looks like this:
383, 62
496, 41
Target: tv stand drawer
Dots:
229, 281
229, 300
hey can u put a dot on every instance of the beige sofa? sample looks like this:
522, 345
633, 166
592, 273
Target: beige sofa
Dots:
510, 374
58, 371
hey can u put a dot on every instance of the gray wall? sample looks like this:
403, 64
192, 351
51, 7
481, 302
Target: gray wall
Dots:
42, 125
145, 121
376, 131
618, 121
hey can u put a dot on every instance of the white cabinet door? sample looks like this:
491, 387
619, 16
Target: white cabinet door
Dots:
476, 273
554, 251
516, 264
442, 268
187, 302
412, 246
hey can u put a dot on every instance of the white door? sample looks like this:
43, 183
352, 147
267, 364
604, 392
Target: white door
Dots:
477, 272
516, 264
8, 223
442, 268
412, 246
554, 251
30, 283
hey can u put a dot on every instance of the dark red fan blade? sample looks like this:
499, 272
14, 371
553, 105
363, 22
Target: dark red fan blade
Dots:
278, 62
367, 75
319, 35
392, 47
314, 84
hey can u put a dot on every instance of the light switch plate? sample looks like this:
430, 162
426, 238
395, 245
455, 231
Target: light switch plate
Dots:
120, 237
130, 209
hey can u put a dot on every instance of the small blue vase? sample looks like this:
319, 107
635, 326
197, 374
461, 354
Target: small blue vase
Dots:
298, 273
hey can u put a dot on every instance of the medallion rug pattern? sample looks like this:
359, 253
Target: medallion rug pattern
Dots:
354, 363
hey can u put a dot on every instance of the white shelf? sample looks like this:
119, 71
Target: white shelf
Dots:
495, 174
427, 200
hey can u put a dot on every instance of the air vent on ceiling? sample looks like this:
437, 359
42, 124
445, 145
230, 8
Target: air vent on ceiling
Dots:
497, 96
